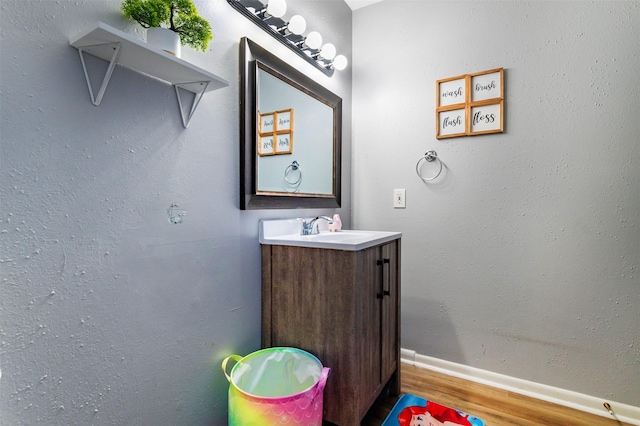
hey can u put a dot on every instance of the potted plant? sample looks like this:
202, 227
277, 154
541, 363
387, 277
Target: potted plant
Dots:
178, 18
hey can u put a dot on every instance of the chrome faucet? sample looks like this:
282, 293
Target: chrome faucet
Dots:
310, 227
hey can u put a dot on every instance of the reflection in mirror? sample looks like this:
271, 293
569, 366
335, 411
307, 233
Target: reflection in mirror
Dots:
308, 140
290, 136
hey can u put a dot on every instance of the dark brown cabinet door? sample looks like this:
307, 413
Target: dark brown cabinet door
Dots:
341, 306
369, 286
390, 322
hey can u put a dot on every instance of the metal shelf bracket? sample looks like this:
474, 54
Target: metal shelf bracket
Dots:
197, 88
107, 76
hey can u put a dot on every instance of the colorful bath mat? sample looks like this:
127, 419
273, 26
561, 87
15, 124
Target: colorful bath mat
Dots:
413, 410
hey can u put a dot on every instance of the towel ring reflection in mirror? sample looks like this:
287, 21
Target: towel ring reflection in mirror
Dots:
292, 178
429, 156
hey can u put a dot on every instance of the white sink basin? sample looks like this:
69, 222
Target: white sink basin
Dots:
286, 232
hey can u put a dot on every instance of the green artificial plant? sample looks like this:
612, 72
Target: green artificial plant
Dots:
179, 16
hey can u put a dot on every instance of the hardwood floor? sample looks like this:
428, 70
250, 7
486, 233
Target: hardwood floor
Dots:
496, 407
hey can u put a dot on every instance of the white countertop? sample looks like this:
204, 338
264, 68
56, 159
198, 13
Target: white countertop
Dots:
286, 232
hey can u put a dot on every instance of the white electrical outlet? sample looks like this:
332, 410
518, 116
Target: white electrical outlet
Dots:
399, 198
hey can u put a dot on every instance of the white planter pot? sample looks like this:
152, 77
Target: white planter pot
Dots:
165, 39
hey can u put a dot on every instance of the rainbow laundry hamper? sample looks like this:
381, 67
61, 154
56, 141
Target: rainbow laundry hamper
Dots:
276, 386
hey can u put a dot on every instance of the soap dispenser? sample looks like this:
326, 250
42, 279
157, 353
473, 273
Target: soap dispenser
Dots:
336, 225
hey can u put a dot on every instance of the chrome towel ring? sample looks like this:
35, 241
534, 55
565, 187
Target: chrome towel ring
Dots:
290, 169
429, 156
291, 177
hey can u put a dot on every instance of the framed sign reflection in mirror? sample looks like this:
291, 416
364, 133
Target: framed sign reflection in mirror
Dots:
275, 132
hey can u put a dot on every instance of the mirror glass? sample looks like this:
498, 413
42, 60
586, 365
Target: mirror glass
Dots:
290, 135
304, 135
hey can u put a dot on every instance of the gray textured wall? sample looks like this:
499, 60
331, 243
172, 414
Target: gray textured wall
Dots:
524, 258
109, 314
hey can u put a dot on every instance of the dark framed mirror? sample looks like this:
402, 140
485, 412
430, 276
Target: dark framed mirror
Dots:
290, 136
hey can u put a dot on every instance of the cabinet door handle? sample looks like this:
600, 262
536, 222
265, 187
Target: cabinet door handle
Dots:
380, 295
388, 263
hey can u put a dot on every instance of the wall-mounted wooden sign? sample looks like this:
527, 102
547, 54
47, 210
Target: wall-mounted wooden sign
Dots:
275, 132
470, 104
452, 122
485, 118
452, 91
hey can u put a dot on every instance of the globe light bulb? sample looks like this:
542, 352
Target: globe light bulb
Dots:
313, 40
328, 51
340, 62
297, 25
277, 8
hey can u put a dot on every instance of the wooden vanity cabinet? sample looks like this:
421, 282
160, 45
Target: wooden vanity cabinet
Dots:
343, 307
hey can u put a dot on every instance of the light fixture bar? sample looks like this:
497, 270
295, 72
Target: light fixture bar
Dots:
243, 6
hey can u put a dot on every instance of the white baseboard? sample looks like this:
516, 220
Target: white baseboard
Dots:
590, 404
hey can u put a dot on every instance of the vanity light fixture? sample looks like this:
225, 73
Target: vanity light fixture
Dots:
340, 62
296, 26
276, 8
312, 42
328, 51
269, 17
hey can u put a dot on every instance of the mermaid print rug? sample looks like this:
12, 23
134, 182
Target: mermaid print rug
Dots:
411, 410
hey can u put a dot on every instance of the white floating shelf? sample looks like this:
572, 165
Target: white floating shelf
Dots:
119, 48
